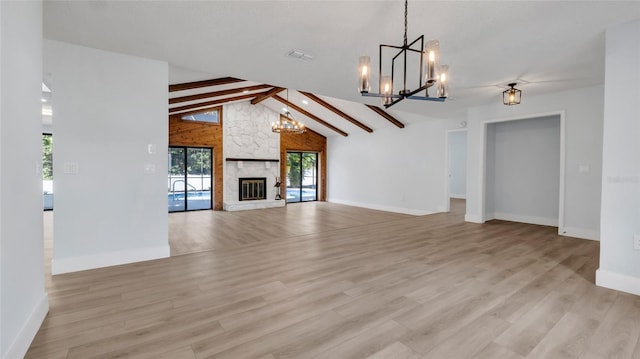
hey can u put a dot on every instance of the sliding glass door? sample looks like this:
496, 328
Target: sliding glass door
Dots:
190, 179
302, 176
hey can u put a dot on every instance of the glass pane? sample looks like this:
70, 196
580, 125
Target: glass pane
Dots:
176, 180
208, 116
198, 178
47, 171
309, 188
294, 178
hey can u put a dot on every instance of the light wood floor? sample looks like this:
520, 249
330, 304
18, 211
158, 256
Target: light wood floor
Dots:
320, 280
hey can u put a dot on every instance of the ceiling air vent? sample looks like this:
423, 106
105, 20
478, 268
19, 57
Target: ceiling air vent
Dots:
300, 55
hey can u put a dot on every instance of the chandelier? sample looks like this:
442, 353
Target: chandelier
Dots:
287, 124
511, 96
429, 72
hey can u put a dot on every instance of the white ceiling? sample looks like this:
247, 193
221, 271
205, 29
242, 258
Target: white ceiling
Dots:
550, 45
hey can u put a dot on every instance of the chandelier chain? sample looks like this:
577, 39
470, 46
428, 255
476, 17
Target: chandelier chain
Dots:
405, 21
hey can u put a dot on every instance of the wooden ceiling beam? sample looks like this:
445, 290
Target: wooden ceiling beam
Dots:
310, 115
205, 83
209, 104
387, 116
335, 110
202, 96
274, 91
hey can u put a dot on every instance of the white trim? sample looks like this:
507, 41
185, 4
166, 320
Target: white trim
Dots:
621, 282
414, 212
542, 221
473, 218
483, 160
75, 264
583, 233
441, 208
458, 196
561, 196
488, 216
19, 347
483, 177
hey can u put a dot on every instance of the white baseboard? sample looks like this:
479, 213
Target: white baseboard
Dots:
617, 281
19, 347
440, 209
473, 218
414, 212
75, 264
553, 222
580, 233
457, 196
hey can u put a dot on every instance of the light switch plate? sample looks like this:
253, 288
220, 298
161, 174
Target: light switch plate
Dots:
636, 242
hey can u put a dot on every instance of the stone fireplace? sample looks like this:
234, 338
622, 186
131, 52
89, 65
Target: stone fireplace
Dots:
251, 151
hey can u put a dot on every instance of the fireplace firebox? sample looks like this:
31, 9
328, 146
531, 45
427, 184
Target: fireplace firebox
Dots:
253, 188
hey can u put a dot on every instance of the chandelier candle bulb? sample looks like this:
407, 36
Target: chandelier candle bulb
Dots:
432, 52
365, 72
443, 82
386, 88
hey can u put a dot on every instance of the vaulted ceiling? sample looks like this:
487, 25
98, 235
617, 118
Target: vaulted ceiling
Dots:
547, 46
323, 115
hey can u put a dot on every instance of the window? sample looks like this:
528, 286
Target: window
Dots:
211, 116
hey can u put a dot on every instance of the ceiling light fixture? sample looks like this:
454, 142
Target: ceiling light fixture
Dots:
512, 96
286, 123
429, 56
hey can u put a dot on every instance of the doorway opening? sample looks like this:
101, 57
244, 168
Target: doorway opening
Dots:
524, 170
190, 179
456, 168
302, 177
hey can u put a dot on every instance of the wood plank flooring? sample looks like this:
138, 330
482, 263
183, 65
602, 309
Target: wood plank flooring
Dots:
319, 280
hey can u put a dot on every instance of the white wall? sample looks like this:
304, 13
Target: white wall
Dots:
23, 301
620, 220
457, 164
247, 134
524, 158
392, 169
584, 110
107, 109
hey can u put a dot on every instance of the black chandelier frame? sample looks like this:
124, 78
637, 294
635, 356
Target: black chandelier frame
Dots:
404, 92
405, 49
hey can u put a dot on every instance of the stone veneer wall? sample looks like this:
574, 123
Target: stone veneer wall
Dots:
247, 134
